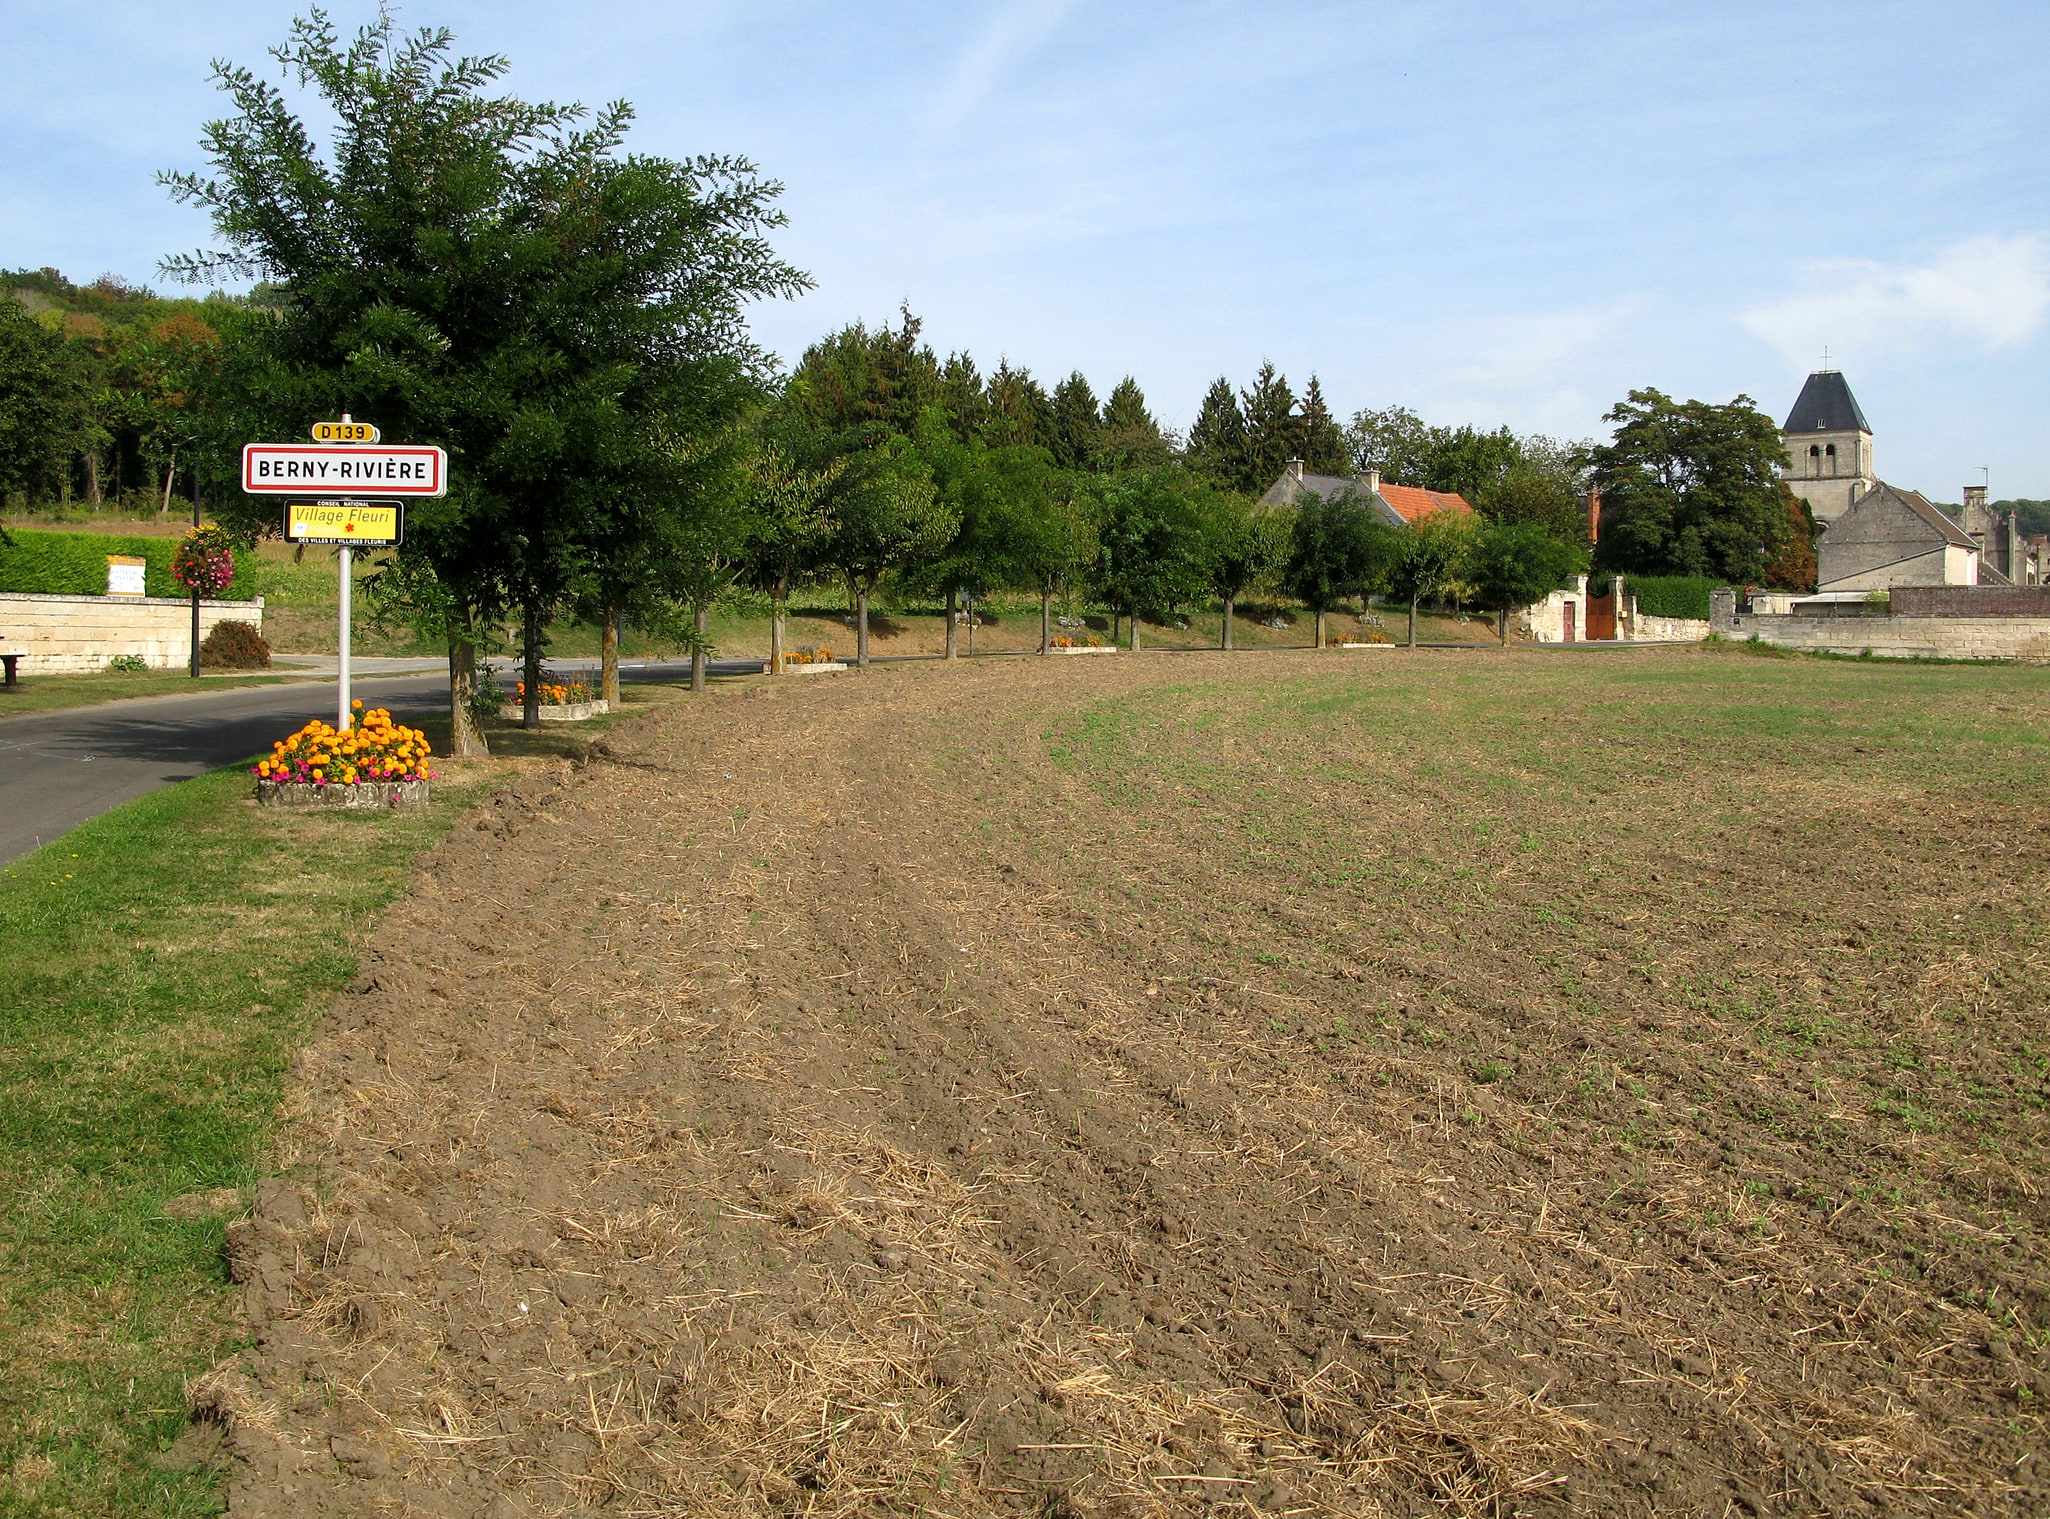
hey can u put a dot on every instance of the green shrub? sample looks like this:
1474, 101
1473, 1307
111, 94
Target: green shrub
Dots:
1670, 595
75, 564
234, 646
128, 664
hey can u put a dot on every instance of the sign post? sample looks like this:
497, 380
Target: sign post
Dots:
337, 475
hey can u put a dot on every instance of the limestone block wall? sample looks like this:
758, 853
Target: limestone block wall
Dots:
1643, 629
1904, 637
60, 635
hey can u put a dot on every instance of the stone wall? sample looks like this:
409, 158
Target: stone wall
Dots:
1643, 629
1971, 600
1903, 637
63, 635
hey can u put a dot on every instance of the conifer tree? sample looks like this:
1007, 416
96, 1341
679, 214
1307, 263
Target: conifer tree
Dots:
1077, 424
1323, 445
1271, 428
1020, 412
1217, 443
1131, 436
963, 398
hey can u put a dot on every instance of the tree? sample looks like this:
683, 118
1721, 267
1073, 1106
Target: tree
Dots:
1425, 556
1795, 568
786, 527
1530, 496
859, 377
1077, 424
1323, 445
1514, 564
1246, 545
962, 397
1217, 443
1335, 551
1051, 544
478, 271
39, 421
883, 514
1691, 488
1150, 543
1020, 411
1131, 437
1273, 431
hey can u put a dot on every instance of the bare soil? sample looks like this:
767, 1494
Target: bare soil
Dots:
1441, 1084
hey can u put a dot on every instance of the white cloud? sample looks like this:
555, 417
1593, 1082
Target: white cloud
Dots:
1990, 291
1019, 28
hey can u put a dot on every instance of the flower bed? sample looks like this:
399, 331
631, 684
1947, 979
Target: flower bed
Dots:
817, 661
569, 701
1092, 645
374, 762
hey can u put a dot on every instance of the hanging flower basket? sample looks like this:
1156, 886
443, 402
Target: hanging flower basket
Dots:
204, 561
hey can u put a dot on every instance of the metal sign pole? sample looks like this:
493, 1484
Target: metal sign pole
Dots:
342, 702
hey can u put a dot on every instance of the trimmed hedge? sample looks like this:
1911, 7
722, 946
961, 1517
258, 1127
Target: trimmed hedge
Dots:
75, 564
1671, 595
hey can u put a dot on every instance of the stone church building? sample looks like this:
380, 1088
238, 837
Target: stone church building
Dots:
1875, 535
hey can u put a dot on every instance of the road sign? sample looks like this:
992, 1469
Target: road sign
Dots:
345, 432
344, 469
351, 524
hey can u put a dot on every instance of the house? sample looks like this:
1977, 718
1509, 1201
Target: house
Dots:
1396, 505
1892, 537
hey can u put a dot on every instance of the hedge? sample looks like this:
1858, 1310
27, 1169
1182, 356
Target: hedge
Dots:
75, 564
1671, 595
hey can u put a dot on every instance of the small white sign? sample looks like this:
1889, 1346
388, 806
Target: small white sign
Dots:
343, 469
124, 575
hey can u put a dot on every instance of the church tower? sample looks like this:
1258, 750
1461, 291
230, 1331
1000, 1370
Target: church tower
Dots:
1829, 447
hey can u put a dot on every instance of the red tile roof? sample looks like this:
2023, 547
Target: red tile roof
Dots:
1414, 501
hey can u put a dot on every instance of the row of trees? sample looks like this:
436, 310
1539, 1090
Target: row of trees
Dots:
566, 317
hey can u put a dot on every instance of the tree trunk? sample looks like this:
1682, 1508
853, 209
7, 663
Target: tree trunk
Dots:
777, 604
1135, 630
861, 626
92, 476
1317, 630
1502, 625
1114, 615
153, 490
530, 668
170, 474
466, 738
1226, 638
1412, 622
953, 595
699, 669
608, 657
1046, 622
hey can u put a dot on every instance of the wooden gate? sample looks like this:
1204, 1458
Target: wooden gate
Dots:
1601, 615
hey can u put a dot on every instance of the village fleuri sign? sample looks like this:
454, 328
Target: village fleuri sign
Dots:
346, 524
344, 469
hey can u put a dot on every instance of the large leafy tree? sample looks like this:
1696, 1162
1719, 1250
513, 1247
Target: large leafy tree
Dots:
884, 515
467, 268
1245, 546
1691, 488
40, 418
1151, 543
1513, 564
786, 522
1425, 557
1336, 550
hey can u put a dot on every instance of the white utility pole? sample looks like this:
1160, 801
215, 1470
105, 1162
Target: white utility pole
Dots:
348, 573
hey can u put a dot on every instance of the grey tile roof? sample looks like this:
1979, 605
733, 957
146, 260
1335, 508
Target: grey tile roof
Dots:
1826, 405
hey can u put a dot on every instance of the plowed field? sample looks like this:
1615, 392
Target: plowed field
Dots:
1326, 1084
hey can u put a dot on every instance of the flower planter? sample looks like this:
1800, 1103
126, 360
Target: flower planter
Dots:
816, 667
1100, 648
362, 794
1364, 645
573, 712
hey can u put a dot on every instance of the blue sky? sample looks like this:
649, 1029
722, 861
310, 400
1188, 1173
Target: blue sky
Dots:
1491, 213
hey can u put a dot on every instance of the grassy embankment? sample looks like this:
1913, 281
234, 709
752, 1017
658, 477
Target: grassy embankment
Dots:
160, 966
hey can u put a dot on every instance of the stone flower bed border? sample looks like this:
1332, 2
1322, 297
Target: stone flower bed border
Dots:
361, 794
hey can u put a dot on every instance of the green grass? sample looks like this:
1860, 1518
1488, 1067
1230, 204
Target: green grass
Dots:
160, 966
52, 693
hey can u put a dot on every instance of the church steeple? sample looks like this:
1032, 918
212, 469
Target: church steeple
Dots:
1829, 447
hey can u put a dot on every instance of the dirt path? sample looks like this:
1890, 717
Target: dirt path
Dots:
840, 1145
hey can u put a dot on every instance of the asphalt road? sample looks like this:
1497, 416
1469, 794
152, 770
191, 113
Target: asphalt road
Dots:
58, 769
